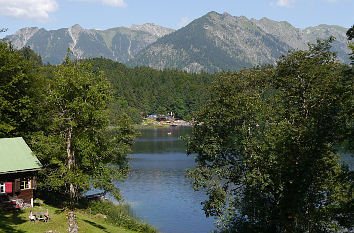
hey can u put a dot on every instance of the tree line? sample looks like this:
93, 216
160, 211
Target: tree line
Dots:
141, 91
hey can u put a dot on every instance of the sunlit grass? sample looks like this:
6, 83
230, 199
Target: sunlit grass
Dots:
18, 221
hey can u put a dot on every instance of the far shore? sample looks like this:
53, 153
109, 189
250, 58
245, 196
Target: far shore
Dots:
152, 124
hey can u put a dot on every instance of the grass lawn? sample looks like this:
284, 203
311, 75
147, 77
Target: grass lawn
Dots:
18, 222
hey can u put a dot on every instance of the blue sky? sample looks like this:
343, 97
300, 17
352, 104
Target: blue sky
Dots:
103, 14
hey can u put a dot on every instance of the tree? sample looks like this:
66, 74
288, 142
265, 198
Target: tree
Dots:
30, 55
18, 93
78, 146
348, 74
350, 33
265, 145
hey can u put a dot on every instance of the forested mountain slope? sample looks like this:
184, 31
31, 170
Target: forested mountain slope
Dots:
142, 90
218, 42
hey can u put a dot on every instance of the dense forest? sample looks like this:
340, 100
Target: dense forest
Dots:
141, 91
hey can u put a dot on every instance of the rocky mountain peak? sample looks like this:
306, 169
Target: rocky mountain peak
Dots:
21, 37
152, 28
211, 13
27, 30
76, 27
226, 14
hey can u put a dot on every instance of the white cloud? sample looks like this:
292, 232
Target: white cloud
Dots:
115, 3
119, 3
283, 3
28, 9
183, 22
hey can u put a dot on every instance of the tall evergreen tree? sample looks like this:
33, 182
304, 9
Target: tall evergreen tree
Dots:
348, 74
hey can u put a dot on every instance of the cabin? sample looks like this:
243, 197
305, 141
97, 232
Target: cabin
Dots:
18, 169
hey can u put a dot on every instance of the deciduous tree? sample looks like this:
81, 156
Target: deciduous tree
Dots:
18, 93
265, 145
78, 146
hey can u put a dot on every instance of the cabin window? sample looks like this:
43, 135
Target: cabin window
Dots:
2, 187
25, 184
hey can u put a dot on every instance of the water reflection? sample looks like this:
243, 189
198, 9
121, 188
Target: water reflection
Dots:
348, 159
157, 188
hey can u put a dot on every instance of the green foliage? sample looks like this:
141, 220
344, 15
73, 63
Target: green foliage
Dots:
350, 33
120, 215
30, 55
141, 91
78, 146
18, 95
348, 74
265, 146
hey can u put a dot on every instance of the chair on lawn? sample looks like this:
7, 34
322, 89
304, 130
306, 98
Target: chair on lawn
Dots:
47, 216
32, 217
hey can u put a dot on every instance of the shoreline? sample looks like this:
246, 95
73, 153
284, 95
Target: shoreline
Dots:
152, 124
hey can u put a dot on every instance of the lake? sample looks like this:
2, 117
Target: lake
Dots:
157, 188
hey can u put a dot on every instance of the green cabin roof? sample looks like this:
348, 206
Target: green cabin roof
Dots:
16, 156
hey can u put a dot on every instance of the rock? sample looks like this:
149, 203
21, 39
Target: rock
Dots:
73, 227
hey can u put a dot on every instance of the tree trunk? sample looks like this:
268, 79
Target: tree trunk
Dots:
71, 163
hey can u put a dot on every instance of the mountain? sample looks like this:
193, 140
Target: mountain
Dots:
298, 38
218, 42
211, 43
118, 44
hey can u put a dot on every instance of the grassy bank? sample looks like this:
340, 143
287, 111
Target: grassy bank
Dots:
99, 217
120, 215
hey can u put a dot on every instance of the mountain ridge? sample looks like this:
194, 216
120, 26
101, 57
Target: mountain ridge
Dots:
219, 42
118, 44
211, 43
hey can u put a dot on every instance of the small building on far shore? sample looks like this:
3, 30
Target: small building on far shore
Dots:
18, 170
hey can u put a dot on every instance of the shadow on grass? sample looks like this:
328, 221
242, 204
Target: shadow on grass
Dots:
56, 199
8, 219
95, 225
59, 211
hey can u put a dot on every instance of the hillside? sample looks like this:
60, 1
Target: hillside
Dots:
218, 42
211, 43
118, 44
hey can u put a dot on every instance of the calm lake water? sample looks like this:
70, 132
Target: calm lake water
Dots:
157, 188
